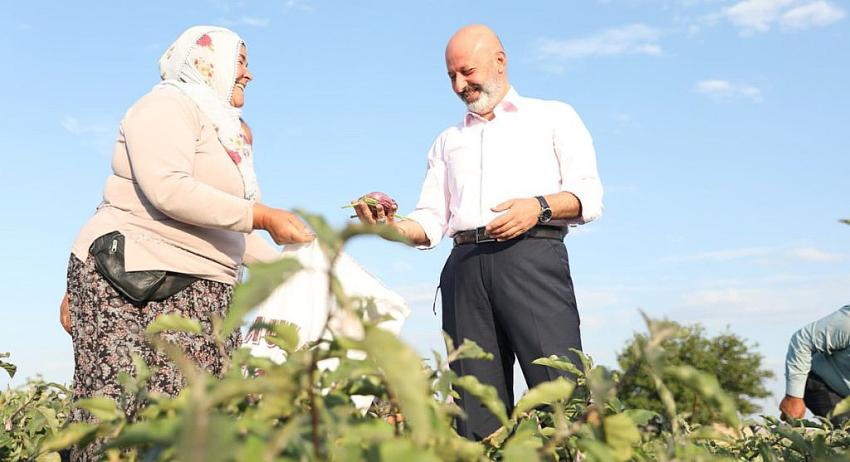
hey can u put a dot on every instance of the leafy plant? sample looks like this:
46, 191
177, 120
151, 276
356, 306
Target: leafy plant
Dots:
300, 410
29, 415
726, 356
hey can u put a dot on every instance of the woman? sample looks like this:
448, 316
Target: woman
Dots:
184, 199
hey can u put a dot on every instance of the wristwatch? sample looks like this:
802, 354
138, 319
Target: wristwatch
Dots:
545, 212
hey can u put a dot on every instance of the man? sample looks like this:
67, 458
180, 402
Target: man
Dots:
504, 184
817, 367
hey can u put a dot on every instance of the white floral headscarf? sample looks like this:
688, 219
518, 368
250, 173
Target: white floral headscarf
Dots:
203, 63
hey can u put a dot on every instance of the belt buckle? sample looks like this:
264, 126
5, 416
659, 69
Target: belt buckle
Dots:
481, 236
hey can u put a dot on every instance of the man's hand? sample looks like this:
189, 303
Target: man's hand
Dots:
409, 229
521, 216
65, 314
284, 227
792, 407
361, 208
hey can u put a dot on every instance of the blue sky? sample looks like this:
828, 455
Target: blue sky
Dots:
718, 128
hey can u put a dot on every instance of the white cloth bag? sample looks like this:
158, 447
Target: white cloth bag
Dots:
302, 300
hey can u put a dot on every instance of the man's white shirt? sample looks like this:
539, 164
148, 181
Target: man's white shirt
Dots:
532, 147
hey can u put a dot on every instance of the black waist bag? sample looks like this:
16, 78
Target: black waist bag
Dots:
139, 287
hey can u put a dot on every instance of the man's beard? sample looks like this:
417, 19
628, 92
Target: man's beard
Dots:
487, 93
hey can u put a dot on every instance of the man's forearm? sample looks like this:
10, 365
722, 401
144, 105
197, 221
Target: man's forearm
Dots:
413, 231
564, 205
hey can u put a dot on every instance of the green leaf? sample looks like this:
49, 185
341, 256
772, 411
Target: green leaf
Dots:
561, 363
640, 416
497, 438
450, 344
75, 433
366, 386
600, 381
101, 407
709, 434
403, 450
173, 322
546, 393
253, 448
586, 360
487, 394
206, 437
385, 231
523, 445
620, 435
402, 368
49, 457
368, 431
160, 431
842, 407
329, 239
798, 442
595, 451
524, 450
469, 350
49, 415
707, 387
9, 367
284, 335
263, 279
232, 388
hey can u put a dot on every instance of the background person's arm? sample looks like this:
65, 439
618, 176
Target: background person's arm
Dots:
828, 334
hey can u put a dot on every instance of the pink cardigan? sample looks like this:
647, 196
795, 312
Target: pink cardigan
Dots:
175, 194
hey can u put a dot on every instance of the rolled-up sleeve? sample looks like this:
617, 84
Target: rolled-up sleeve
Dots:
432, 210
577, 161
826, 335
160, 135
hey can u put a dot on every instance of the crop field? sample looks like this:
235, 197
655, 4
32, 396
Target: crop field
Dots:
298, 411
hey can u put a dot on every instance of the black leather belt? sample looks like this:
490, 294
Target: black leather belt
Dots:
480, 236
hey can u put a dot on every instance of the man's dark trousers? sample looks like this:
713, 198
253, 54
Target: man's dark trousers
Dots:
511, 298
821, 399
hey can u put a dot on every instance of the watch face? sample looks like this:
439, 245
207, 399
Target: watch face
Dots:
546, 215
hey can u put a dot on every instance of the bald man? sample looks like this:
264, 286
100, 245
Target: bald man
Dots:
505, 184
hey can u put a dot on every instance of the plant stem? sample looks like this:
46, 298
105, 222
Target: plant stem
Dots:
314, 359
36, 394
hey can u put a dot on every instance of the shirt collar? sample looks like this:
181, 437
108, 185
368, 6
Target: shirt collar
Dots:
510, 103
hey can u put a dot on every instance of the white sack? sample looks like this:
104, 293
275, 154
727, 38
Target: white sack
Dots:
303, 301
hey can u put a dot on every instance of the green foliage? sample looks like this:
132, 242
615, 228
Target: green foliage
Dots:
173, 322
296, 411
9, 367
29, 415
697, 361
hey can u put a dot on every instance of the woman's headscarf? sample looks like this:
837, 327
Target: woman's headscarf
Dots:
203, 63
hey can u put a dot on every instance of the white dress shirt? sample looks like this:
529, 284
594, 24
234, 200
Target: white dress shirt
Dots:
532, 147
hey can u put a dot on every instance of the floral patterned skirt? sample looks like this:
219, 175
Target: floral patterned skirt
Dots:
106, 329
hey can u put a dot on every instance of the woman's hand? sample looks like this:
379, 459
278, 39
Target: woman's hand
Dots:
65, 314
284, 227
